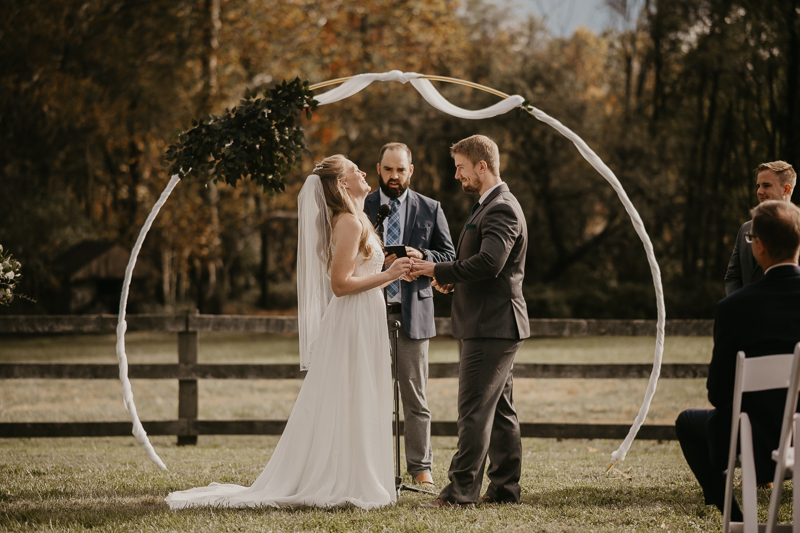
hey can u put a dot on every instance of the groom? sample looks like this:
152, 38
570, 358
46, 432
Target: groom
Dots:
490, 317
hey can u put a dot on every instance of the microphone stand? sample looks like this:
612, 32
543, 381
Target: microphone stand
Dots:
394, 333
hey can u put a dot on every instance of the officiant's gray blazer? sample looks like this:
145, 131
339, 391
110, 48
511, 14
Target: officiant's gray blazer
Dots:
426, 228
488, 271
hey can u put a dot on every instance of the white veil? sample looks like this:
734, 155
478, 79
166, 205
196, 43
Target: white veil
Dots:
313, 253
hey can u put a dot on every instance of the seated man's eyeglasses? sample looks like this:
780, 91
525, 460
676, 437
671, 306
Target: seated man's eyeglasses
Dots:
749, 236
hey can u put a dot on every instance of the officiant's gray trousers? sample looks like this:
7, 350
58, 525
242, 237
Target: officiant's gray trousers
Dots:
412, 372
487, 424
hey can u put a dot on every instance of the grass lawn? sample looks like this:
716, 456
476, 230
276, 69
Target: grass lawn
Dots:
107, 484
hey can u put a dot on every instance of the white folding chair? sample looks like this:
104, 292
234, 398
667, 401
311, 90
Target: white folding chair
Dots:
759, 374
784, 455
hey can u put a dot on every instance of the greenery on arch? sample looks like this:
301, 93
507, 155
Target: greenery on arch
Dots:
259, 139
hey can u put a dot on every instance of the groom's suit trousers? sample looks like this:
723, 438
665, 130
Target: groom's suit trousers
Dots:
487, 423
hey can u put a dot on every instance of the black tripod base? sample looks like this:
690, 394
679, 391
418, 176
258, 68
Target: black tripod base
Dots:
399, 485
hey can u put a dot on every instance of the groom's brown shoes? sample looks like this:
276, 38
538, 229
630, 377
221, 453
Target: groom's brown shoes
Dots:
439, 503
486, 499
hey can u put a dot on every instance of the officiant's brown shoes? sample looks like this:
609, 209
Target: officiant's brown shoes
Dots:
439, 503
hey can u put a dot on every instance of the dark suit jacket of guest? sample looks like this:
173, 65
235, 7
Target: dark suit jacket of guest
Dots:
488, 271
762, 318
742, 268
425, 228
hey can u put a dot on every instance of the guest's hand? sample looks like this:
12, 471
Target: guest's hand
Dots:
423, 268
446, 288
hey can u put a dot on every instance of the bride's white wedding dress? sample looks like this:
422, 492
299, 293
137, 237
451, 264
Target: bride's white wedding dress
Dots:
337, 445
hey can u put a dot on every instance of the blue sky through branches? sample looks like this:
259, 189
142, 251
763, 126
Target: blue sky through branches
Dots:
562, 17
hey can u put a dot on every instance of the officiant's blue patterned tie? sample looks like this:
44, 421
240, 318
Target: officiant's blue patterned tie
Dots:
393, 237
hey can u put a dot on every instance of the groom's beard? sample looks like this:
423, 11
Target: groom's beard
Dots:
475, 186
391, 192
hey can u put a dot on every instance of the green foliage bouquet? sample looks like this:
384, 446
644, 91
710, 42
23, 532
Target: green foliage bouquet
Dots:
259, 139
9, 276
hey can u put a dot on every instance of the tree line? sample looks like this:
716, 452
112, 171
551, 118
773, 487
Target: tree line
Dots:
682, 101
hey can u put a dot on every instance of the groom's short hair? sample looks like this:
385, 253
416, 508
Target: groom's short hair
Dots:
479, 148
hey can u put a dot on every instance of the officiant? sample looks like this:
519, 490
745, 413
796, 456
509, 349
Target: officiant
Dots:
418, 223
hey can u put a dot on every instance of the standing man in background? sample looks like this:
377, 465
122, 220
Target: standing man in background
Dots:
775, 181
417, 222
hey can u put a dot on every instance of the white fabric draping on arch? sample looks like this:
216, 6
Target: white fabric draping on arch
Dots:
425, 88
358, 83
638, 226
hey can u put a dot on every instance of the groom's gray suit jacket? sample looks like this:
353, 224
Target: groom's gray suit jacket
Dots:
488, 271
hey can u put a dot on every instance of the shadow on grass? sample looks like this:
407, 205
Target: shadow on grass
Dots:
617, 498
77, 513
83, 513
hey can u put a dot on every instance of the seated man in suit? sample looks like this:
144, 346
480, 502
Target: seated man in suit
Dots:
762, 318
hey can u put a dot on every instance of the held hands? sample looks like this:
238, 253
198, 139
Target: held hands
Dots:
423, 268
400, 267
412, 253
409, 269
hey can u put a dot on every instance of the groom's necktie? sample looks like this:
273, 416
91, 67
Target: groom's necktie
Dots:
393, 237
474, 208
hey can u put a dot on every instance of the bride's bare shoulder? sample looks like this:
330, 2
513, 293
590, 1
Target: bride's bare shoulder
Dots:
346, 223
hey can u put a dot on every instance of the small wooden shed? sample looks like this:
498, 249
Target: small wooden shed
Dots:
92, 273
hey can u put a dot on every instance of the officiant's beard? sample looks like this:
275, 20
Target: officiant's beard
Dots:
392, 192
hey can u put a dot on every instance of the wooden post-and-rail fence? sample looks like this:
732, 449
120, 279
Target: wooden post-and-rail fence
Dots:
187, 426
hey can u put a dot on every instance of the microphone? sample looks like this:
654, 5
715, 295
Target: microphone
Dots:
383, 212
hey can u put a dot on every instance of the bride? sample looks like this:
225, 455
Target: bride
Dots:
337, 445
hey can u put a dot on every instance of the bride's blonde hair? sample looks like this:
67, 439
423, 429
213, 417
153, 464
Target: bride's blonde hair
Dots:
332, 171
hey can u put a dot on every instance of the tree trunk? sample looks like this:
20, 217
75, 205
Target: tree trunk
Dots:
791, 138
263, 270
214, 290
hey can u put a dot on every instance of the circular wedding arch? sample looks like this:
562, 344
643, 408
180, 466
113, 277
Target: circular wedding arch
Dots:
422, 83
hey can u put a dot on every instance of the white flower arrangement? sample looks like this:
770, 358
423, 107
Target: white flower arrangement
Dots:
9, 277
